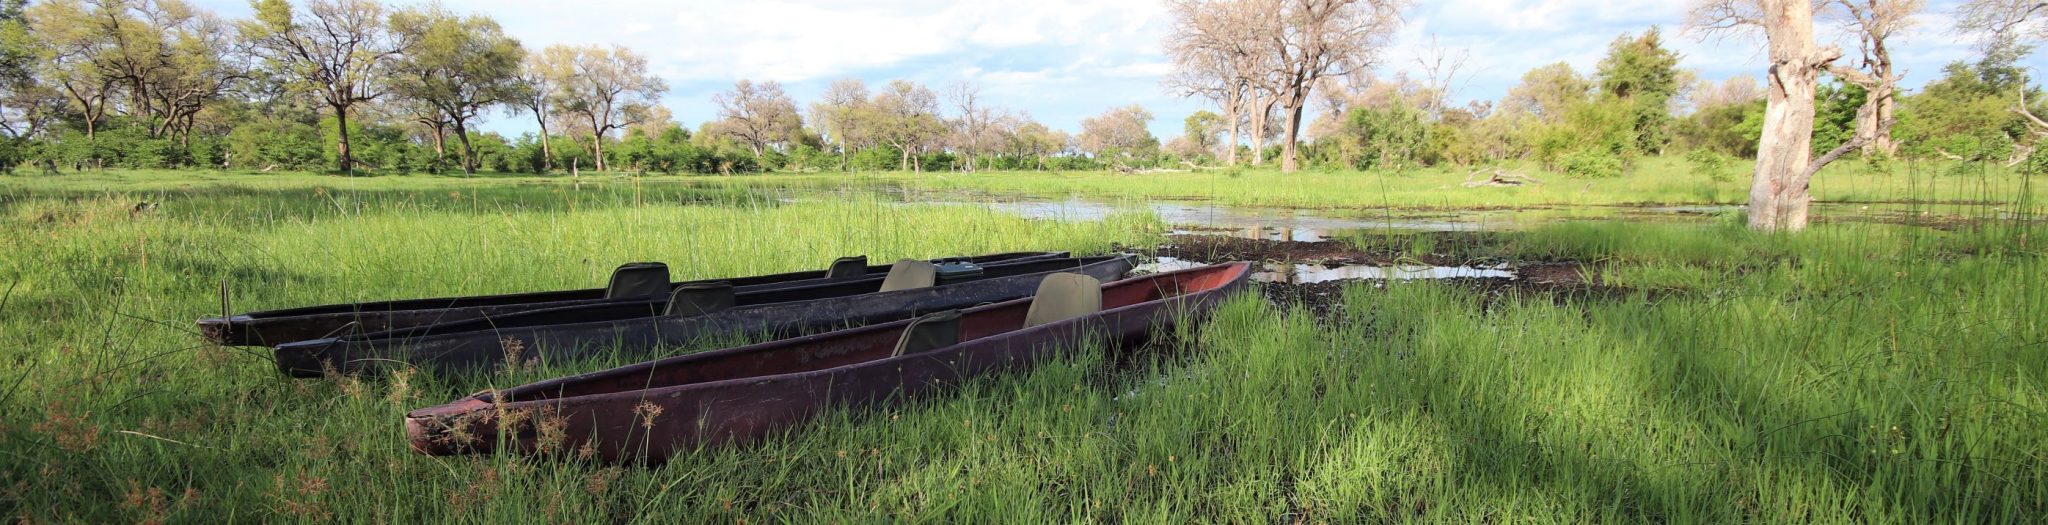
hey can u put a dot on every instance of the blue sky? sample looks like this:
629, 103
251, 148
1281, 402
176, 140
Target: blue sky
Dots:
1065, 60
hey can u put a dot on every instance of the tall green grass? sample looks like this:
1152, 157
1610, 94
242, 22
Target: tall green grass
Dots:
1853, 373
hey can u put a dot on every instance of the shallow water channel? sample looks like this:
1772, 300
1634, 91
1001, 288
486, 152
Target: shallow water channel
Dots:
1286, 273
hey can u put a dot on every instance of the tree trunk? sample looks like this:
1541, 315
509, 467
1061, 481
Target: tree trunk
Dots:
468, 152
547, 151
1288, 163
1259, 130
1883, 107
597, 151
1778, 197
348, 165
1230, 148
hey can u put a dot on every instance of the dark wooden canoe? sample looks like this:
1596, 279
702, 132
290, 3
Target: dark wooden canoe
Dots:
542, 335
650, 411
275, 327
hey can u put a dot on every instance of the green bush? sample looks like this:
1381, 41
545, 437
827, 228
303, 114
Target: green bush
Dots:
1710, 164
1593, 164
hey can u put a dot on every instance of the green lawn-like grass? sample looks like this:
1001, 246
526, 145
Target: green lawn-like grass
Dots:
1851, 373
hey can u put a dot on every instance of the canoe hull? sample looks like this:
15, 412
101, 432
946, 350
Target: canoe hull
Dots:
653, 425
275, 327
640, 337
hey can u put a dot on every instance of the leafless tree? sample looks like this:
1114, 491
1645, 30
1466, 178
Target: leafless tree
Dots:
1874, 23
1220, 53
757, 115
1778, 193
1312, 39
610, 89
1440, 69
973, 125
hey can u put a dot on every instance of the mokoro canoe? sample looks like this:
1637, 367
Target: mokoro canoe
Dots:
653, 410
542, 335
635, 281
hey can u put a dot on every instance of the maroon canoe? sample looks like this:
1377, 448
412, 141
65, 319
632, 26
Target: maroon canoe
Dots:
653, 410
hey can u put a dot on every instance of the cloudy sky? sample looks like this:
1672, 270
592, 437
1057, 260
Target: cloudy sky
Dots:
1064, 60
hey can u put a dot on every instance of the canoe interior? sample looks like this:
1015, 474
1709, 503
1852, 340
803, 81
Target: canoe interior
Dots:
614, 311
771, 281
849, 347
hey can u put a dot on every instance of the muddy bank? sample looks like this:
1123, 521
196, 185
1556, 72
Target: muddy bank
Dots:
1446, 249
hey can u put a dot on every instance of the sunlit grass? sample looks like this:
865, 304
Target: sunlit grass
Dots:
1853, 373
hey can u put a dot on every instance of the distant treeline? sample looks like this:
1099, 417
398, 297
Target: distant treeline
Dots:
356, 85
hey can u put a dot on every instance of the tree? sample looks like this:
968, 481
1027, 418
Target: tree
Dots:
906, 117
1311, 39
971, 129
339, 50
1119, 132
1778, 192
538, 90
1548, 92
1644, 75
757, 115
458, 66
610, 89
1202, 129
2010, 29
1874, 22
1219, 54
840, 115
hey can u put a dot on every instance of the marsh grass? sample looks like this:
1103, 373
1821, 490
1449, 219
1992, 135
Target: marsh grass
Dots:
1853, 373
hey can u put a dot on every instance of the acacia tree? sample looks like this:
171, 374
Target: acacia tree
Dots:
1311, 39
339, 50
757, 115
538, 90
1778, 192
609, 88
1874, 22
458, 67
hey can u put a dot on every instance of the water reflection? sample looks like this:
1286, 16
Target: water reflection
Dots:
1316, 273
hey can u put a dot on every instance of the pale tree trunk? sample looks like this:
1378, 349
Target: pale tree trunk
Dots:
1778, 193
1230, 148
1290, 148
547, 152
597, 151
1261, 110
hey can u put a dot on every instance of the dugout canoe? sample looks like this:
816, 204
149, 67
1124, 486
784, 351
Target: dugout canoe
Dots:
547, 336
653, 410
635, 281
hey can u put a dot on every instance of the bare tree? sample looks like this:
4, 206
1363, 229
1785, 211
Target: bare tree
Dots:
1778, 193
338, 49
1312, 39
971, 128
609, 89
757, 114
1440, 68
1874, 22
1218, 55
